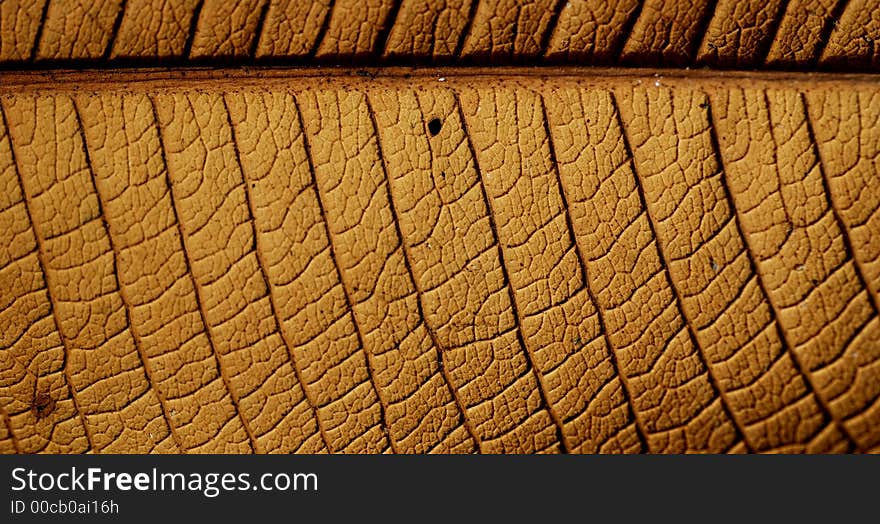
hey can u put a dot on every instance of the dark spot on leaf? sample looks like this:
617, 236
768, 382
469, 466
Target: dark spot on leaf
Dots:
434, 126
43, 405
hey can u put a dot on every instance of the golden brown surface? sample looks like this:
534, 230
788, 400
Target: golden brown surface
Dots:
466, 261
795, 34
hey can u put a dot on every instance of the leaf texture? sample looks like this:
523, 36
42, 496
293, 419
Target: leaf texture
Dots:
474, 261
783, 34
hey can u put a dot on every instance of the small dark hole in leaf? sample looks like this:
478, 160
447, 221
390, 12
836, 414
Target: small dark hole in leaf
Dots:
434, 126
